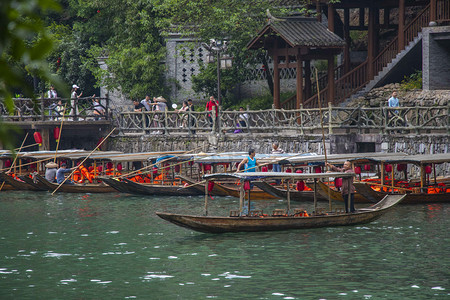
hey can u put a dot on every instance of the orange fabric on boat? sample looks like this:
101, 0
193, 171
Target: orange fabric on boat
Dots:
86, 173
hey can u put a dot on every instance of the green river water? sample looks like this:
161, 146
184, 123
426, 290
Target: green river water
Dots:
113, 246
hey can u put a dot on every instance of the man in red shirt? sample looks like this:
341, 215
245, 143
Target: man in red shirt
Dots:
212, 104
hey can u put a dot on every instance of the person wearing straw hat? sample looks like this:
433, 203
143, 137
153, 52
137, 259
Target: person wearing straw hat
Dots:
50, 172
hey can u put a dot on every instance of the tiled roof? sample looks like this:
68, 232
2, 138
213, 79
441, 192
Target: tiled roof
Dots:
300, 32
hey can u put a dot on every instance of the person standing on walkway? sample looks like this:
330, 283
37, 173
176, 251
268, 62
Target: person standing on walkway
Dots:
74, 102
210, 106
348, 189
52, 94
191, 117
276, 150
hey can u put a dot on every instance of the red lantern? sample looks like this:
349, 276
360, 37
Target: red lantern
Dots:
388, 168
191, 162
299, 171
99, 169
338, 182
358, 170
288, 170
109, 165
8, 163
207, 167
91, 168
300, 185
155, 170
177, 168
401, 167
56, 133
270, 166
119, 167
38, 138
167, 169
210, 186
264, 169
428, 169
366, 167
317, 169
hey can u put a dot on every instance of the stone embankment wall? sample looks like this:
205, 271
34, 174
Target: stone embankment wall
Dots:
347, 143
379, 97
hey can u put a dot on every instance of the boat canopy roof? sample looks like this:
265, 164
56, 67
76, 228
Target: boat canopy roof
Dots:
276, 175
230, 157
407, 159
334, 158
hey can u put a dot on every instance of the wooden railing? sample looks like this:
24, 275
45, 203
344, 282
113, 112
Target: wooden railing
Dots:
443, 10
415, 26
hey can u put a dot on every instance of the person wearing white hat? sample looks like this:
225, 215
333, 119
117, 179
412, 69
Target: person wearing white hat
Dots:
50, 172
74, 101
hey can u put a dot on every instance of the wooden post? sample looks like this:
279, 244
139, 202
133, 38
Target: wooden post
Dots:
370, 43
288, 196
315, 196
206, 197
276, 81
331, 93
299, 81
347, 40
307, 79
386, 15
318, 11
401, 24
432, 10
330, 17
362, 13
45, 140
241, 196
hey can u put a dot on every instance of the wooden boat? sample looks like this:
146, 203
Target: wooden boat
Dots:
217, 189
162, 190
282, 193
131, 187
18, 184
413, 197
76, 188
260, 222
38, 185
6, 186
325, 191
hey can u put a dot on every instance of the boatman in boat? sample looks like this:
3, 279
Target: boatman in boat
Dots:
60, 174
348, 189
50, 172
251, 164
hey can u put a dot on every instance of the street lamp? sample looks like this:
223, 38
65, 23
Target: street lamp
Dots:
216, 48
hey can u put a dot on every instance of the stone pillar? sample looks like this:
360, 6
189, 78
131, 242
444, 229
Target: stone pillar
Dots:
436, 58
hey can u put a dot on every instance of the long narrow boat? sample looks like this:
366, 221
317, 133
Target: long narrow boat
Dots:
163, 190
18, 184
282, 193
119, 186
217, 189
38, 185
412, 197
325, 191
76, 188
261, 222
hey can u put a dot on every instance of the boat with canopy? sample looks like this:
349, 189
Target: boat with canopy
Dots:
289, 218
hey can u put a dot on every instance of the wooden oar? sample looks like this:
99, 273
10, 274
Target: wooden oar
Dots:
15, 159
98, 146
27, 146
149, 166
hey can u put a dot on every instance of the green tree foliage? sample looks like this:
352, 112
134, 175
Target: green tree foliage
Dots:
234, 20
24, 44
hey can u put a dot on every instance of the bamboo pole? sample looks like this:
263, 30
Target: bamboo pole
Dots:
15, 159
98, 146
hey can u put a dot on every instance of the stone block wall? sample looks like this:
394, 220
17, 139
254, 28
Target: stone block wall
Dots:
436, 58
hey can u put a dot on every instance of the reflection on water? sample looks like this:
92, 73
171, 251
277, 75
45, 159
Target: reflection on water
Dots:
114, 246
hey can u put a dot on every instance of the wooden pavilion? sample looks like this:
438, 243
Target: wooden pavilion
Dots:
292, 41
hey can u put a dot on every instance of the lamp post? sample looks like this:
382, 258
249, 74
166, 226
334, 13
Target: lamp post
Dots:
223, 62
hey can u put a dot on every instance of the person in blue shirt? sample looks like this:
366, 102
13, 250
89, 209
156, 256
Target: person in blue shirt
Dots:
393, 102
60, 174
250, 162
